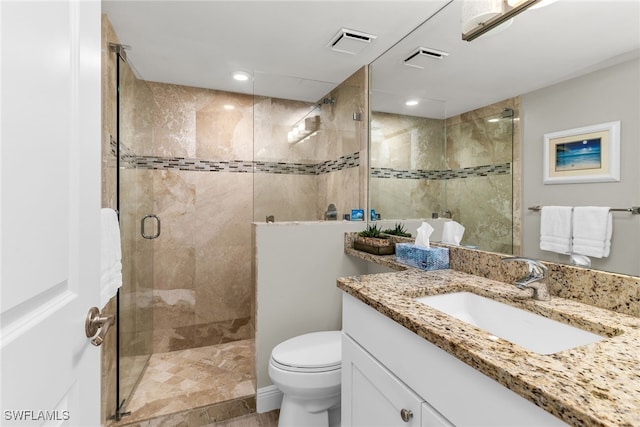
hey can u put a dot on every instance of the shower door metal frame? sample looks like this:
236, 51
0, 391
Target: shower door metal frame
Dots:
121, 399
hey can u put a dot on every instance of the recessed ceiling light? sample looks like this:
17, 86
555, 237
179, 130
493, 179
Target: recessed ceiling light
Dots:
412, 102
228, 107
241, 76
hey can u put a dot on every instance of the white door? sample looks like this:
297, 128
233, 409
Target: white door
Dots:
49, 211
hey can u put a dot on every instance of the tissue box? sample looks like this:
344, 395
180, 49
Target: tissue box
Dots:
424, 258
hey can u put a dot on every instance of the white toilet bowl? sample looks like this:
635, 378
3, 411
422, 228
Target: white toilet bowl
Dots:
307, 369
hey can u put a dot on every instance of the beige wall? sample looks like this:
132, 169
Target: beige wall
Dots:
607, 95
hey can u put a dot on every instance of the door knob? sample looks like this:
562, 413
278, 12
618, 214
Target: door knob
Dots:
406, 415
96, 322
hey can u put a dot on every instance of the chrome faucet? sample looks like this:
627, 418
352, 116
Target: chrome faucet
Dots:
533, 280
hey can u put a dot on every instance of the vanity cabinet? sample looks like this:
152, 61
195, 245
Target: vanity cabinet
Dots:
387, 368
377, 397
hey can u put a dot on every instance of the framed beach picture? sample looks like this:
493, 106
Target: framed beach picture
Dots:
581, 155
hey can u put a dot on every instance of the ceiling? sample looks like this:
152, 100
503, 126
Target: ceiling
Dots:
283, 44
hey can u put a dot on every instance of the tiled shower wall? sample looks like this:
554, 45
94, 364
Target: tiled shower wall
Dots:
208, 162
403, 148
332, 158
202, 293
414, 172
486, 203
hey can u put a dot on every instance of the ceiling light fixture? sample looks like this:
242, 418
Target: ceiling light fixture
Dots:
304, 129
538, 5
241, 76
412, 102
482, 16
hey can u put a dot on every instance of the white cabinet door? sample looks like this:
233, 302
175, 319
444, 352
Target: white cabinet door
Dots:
373, 397
432, 418
49, 221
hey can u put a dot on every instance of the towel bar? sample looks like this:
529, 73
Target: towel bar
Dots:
634, 210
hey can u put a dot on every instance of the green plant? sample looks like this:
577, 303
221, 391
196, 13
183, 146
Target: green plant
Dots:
399, 230
371, 231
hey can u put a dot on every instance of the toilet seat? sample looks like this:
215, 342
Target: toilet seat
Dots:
314, 352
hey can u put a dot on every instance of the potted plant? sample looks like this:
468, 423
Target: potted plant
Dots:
372, 241
398, 230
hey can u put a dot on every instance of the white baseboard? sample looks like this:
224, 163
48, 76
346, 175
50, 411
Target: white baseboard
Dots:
268, 398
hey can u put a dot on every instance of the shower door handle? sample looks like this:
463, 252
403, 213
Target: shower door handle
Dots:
142, 222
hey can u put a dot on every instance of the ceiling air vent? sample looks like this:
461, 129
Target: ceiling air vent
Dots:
420, 57
349, 41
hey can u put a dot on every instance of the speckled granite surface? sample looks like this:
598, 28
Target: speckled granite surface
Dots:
592, 385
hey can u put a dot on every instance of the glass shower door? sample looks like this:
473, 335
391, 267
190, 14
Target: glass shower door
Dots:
135, 202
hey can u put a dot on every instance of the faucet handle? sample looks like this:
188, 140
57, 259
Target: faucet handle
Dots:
535, 266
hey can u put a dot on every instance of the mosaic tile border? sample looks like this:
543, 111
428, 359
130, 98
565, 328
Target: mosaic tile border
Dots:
476, 171
240, 166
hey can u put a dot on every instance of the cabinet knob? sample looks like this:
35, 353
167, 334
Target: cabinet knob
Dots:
406, 415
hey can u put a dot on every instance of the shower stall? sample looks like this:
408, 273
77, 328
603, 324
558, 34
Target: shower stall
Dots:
194, 168
185, 329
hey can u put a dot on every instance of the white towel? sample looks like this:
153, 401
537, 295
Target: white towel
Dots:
452, 232
555, 229
110, 256
592, 230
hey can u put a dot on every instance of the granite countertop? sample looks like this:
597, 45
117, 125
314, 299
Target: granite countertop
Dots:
593, 385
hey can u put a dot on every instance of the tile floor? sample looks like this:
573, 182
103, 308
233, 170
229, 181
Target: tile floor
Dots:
198, 386
268, 419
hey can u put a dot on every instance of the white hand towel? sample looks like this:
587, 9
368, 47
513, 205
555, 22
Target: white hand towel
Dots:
555, 229
110, 256
592, 230
452, 232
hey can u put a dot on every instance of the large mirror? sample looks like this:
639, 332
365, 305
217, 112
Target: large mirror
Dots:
472, 147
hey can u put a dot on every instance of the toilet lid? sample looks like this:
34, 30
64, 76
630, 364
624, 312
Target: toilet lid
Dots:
310, 351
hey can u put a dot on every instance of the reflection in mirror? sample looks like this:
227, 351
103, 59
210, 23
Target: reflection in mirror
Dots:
459, 168
580, 70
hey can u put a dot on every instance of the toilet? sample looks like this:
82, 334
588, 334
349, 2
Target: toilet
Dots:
307, 370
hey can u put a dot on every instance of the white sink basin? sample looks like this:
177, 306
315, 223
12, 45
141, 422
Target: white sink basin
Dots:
524, 328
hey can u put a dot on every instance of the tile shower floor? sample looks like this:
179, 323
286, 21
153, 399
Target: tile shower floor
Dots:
182, 380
